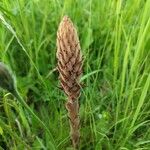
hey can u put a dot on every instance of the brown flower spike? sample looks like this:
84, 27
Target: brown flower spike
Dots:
70, 69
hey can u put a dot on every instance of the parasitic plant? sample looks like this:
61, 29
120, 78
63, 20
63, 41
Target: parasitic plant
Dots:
70, 69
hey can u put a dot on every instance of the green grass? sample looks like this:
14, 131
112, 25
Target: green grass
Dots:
115, 102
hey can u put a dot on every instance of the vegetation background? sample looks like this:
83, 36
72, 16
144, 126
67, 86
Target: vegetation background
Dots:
115, 102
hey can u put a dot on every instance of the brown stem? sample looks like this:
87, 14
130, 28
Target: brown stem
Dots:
73, 114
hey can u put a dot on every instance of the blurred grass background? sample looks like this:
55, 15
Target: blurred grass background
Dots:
115, 102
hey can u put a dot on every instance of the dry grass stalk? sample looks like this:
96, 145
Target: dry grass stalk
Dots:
70, 69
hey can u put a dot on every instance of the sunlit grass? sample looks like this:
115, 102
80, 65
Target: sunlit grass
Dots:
115, 103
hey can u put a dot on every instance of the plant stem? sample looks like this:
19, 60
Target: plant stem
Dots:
73, 114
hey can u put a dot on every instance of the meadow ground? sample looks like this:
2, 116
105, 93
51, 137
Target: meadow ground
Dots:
115, 101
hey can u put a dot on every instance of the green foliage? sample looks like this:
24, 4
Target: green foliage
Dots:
114, 105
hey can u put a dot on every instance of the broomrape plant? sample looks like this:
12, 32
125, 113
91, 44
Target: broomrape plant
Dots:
70, 69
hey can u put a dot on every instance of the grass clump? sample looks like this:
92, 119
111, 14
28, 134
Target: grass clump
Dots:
114, 105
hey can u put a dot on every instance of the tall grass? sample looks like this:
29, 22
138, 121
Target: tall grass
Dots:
114, 106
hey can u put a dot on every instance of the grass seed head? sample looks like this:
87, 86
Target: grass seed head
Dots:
6, 78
